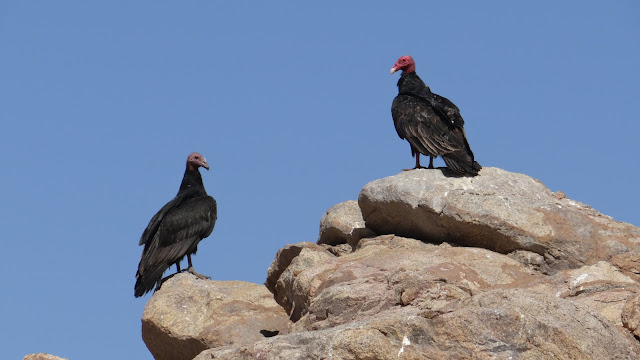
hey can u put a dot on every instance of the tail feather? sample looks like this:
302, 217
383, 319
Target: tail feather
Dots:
462, 162
147, 281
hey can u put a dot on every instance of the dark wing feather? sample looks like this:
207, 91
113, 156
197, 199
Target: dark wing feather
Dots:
399, 114
179, 232
424, 126
155, 221
195, 217
447, 109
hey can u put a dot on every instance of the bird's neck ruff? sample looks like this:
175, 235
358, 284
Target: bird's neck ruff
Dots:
411, 84
192, 179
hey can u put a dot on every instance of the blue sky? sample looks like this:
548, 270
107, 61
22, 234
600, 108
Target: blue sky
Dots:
101, 102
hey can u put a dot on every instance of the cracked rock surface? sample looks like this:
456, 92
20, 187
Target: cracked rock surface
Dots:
400, 298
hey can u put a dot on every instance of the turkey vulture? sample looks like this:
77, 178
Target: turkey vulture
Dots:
431, 123
176, 229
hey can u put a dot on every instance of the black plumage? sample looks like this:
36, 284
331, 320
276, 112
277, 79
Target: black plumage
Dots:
175, 231
430, 123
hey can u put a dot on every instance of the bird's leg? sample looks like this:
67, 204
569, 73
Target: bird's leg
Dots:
418, 166
178, 267
191, 270
430, 163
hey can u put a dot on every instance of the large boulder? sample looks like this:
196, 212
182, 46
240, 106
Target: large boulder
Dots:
497, 210
188, 315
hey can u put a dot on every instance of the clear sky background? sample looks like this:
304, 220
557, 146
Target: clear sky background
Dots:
101, 102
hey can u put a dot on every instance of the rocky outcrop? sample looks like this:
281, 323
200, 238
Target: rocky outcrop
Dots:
425, 266
496, 324
188, 315
449, 302
42, 356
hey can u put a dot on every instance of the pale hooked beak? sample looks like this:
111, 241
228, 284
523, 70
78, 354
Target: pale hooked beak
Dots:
393, 69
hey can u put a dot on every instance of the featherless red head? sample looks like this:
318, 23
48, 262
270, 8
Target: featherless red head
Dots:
405, 63
195, 160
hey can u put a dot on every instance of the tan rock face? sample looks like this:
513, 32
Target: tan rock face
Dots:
601, 286
531, 325
496, 324
497, 210
188, 315
398, 298
395, 278
628, 263
388, 271
631, 315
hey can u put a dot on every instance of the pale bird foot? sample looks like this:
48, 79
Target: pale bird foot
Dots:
198, 275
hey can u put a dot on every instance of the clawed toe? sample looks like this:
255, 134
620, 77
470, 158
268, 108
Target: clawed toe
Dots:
198, 275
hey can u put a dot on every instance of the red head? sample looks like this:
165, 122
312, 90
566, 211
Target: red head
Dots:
405, 64
195, 160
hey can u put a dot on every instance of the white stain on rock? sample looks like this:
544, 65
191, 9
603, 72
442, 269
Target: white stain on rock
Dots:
405, 342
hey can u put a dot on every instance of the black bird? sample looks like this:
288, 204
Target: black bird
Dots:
430, 123
176, 229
